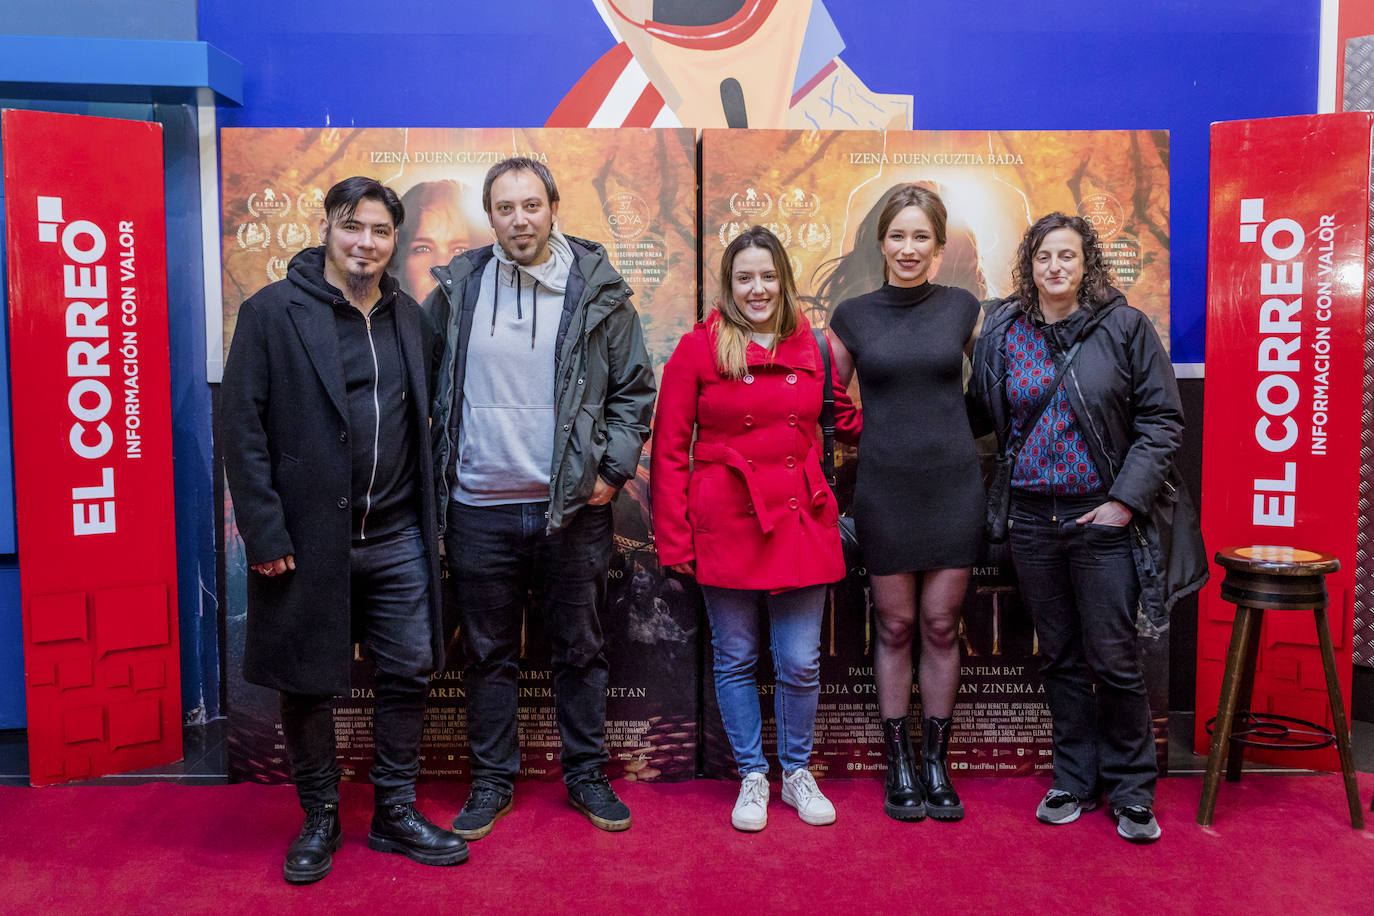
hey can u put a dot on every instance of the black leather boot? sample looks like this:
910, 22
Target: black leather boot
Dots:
400, 828
902, 799
311, 855
942, 803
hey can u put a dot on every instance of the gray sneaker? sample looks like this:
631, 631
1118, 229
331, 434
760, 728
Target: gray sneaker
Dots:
1136, 824
1060, 807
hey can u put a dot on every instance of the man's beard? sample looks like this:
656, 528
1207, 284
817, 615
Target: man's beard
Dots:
359, 284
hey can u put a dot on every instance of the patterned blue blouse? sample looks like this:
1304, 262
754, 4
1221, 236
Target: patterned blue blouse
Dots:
1054, 460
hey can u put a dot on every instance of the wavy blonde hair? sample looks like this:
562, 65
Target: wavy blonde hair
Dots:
735, 330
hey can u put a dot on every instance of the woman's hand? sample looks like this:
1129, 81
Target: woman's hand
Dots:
686, 569
276, 567
1111, 513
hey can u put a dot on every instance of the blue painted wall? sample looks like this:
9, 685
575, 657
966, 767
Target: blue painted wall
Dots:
1173, 64
192, 422
167, 20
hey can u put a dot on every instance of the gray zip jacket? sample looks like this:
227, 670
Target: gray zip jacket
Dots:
603, 378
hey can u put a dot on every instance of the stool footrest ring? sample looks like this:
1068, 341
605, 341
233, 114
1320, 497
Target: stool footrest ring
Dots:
1277, 733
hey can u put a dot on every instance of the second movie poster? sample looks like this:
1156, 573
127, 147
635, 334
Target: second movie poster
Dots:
821, 193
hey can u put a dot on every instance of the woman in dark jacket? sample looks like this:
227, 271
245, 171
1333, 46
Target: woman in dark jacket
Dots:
1100, 527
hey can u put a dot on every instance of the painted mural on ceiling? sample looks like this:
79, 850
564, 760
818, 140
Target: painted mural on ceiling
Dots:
725, 63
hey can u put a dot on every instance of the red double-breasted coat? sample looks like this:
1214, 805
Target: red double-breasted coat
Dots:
748, 502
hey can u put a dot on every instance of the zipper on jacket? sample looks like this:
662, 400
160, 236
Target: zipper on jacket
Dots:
1133, 524
451, 347
376, 427
1106, 452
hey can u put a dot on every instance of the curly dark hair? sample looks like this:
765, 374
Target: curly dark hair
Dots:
1097, 276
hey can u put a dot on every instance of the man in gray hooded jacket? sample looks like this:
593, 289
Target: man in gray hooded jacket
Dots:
543, 404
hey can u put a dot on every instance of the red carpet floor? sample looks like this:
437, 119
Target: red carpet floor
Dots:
1280, 844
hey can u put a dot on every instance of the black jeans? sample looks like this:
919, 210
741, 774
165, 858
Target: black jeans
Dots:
1079, 583
497, 555
390, 606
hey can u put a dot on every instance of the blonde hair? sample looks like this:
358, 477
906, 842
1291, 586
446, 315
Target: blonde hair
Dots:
734, 330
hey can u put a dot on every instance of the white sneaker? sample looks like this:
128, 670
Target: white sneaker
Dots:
799, 790
751, 808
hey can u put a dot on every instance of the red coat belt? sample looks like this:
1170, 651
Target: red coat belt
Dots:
715, 453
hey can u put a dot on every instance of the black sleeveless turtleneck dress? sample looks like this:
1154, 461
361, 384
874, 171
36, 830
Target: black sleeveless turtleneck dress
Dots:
918, 502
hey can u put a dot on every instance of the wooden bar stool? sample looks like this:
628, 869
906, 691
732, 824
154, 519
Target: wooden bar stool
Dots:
1279, 579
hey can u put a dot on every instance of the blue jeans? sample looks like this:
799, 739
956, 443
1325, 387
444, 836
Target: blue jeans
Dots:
498, 555
389, 598
794, 618
1079, 583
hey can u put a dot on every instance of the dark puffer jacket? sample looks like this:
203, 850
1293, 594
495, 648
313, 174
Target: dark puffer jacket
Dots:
1121, 387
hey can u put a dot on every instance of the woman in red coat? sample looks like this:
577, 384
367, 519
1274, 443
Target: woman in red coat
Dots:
747, 511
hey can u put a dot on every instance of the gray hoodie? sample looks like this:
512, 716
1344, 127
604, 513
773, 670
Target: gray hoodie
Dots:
506, 437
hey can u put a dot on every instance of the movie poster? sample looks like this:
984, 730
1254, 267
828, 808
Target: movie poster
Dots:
821, 192
633, 191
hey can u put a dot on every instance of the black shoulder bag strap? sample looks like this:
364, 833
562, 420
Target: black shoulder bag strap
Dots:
827, 411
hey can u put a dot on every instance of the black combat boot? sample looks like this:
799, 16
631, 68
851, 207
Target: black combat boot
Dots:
942, 802
902, 793
311, 855
400, 828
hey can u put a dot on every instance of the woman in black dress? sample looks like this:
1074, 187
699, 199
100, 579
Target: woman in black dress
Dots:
919, 496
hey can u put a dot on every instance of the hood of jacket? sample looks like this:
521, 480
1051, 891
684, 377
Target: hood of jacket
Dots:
552, 274
588, 259
306, 273
1062, 334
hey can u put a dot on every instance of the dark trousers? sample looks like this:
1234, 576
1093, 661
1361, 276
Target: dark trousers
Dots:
1079, 583
390, 606
498, 555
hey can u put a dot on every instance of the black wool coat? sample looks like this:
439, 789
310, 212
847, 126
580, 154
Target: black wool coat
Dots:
283, 430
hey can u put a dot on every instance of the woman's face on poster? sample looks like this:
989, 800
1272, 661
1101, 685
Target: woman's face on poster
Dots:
441, 233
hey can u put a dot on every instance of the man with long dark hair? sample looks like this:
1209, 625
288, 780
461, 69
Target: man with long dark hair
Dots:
324, 421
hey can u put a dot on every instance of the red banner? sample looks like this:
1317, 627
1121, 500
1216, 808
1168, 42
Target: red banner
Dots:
92, 442
1286, 341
